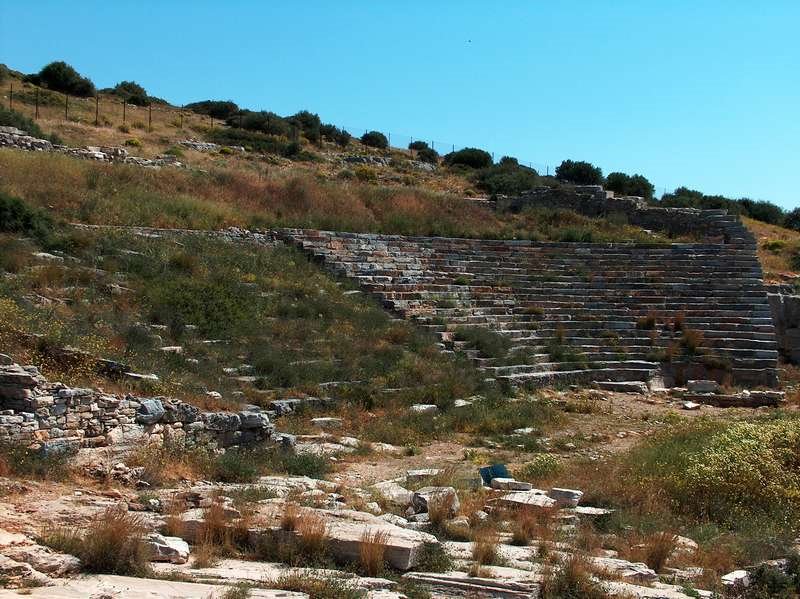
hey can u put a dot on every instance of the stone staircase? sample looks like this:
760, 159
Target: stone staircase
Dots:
576, 312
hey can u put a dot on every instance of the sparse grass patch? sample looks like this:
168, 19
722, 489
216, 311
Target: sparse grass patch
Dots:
485, 546
317, 587
571, 580
19, 460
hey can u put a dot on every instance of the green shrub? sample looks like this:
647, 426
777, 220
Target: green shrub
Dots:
60, 76
428, 155
418, 145
334, 134
541, 465
12, 118
365, 174
176, 151
218, 109
23, 461
630, 185
375, 139
507, 177
133, 142
17, 216
131, 92
471, 157
487, 342
579, 172
255, 141
234, 466
769, 582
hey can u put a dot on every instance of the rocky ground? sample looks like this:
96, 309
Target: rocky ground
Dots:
382, 524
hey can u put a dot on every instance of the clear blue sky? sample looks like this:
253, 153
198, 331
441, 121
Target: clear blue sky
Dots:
687, 92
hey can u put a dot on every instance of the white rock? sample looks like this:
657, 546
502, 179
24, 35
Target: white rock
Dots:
510, 484
167, 549
427, 497
424, 408
531, 498
703, 386
565, 497
690, 405
327, 422
414, 477
393, 493
737, 578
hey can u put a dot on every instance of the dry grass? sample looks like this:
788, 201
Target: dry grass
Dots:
204, 555
485, 546
776, 249
440, 509
533, 524
173, 523
573, 578
654, 550
312, 531
113, 543
372, 551
290, 517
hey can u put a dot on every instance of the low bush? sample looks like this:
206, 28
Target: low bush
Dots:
541, 465
19, 460
487, 342
469, 157
12, 118
16, 216
375, 139
507, 177
571, 580
317, 587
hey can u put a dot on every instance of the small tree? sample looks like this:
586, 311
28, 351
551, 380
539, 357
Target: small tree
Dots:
428, 155
471, 157
375, 139
635, 185
61, 77
219, 109
418, 145
132, 92
579, 172
792, 220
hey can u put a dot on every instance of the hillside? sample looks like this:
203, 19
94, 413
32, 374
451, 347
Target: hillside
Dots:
305, 369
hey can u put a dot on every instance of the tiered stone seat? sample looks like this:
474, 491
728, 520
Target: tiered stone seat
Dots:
625, 312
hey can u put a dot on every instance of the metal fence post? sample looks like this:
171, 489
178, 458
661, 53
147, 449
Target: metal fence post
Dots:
66, 107
124, 109
150, 117
11, 96
97, 110
37, 104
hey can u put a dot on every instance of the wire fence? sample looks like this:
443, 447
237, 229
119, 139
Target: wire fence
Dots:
107, 111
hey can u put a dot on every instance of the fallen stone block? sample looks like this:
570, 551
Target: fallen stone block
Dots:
429, 498
327, 422
424, 408
703, 386
565, 497
510, 484
167, 549
393, 493
532, 498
